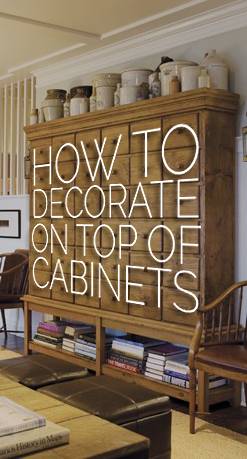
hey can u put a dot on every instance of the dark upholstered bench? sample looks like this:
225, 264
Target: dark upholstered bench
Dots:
39, 370
127, 404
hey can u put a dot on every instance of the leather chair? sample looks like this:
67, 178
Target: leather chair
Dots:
219, 345
13, 282
127, 404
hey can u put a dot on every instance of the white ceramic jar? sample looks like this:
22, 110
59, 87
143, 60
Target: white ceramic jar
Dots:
104, 97
106, 84
170, 69
129, 94
135, 77
189, 77
84, 105
217, 70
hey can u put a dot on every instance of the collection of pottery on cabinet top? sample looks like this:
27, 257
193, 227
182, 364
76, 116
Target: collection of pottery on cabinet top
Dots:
113, 89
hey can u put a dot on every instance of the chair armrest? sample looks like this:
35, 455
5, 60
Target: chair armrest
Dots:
223, 296
196, 341
14, 269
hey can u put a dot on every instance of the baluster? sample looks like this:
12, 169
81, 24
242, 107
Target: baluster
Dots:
228, 331
213, 325
220, 324
239, 313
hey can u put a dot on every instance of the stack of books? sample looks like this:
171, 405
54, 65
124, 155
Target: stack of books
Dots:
85, 344
50, 333
158, 356
23, 431
177, 372
70, 333
129, 353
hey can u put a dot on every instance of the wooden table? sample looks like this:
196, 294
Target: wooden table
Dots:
90, 436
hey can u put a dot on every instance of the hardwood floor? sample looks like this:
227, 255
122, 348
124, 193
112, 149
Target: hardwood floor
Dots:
222, 414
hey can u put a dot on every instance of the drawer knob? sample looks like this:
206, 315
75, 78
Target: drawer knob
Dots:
63, 176
87, 233
145, 236
114, 141
63, 233
87, 145
87, 175
114, 267
180, 130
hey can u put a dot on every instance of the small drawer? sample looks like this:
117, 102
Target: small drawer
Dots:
152, 195
67, 153
89, 231
60, 199
180, 137
40, 204
90, 139
117, 196
106, 238
186, 281
154, 168
86, 299
179, 160
145, 260
65, 259
59, 290
93, 203
64, 226
149, 296
66, 170
109, 301
143, 229
41, 265
120, 170
190, 207
184, 300
39, 234
111, 263
138, 140
42, 278
90, 257
41, 150
42, 178
83, 179
190, 235
111, 135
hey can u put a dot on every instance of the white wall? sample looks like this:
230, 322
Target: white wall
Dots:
15, 317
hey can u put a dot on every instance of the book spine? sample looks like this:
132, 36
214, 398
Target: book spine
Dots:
176, 374
124, 366
124, 359
84, 347
51, 327
43, 343
46, 339
128, 351
128, 343
176, 381
25, 447
152, 375
28, 425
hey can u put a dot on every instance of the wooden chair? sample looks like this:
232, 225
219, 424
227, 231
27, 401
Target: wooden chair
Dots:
219, 344
13, 282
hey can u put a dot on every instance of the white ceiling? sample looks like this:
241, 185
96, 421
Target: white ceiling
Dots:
25, 41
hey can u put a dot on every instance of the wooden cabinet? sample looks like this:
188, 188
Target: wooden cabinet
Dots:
206, 202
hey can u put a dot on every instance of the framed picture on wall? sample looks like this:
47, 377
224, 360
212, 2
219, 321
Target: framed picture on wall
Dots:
10, 224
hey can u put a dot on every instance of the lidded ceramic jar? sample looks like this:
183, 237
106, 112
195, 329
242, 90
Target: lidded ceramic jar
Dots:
75, 103
106, 84
217, 69
53, 104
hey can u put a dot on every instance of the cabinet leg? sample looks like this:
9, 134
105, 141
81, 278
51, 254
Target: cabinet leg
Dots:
202, 393
27, 329
236, 400
100, 346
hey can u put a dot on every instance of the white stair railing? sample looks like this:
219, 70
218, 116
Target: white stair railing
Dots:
17, 99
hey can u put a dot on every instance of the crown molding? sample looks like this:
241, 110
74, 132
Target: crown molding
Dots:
197, 27
152, 18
